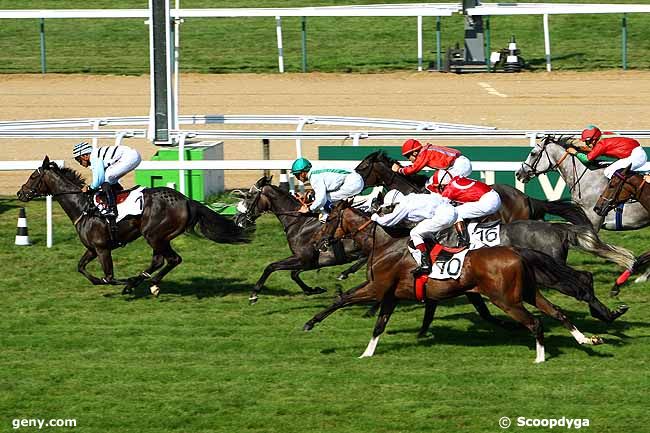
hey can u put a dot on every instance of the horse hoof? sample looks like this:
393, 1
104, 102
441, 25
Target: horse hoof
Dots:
342, 277
596, 340
308, 327
252, 300
155, 290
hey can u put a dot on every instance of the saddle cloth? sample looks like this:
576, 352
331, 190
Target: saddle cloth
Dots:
486, 234
129, 202
446, 263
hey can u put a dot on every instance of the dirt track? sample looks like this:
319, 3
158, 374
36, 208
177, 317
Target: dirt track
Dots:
613, 100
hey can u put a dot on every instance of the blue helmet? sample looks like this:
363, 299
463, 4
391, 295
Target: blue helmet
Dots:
300, 165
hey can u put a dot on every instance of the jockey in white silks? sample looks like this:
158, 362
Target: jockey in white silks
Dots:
431, 212
108, 165
330, 185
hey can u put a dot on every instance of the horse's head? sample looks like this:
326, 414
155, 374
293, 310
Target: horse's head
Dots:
253, 204
545, 156
36, 185
374, 167
333, 229
620, 188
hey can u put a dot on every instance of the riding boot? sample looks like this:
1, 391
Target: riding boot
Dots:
420, 252
111, 212
463, 234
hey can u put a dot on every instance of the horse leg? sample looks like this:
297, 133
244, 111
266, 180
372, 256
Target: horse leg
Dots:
106, 261
429, 311
553, 311
388, 305
523, 316
173, 259
290, 263
352, 269
364, 292
157, 261
86, 258
482, 309
295, 276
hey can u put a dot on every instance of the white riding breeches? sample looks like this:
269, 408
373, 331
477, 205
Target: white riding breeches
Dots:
637, 158
462, 166
351, 186
487, 205
444, 217
128, 161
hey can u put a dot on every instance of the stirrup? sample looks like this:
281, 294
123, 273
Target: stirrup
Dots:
420, 270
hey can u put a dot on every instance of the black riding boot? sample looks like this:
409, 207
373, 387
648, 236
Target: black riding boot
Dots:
425, 265
111, 211
463, 234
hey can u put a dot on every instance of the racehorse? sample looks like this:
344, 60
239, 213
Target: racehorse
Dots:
300, 230
507, 276
166, 214
375, 170
585, 185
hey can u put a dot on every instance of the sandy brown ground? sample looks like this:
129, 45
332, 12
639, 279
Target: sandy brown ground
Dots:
557, 100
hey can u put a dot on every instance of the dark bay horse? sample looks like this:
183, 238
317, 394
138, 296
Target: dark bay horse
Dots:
166, 214
505, 275
515, 205
300, 230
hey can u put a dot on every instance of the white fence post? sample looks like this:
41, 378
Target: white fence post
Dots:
419, 44
547, 43
48, 219
278, 32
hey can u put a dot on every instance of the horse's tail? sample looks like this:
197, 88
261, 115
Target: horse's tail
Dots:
585, 238
215, 227
553, 274
566, 209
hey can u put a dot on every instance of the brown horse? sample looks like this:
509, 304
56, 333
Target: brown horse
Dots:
625, 185
503, 274
166, 214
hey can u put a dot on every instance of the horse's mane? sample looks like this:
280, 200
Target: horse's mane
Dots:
72, 176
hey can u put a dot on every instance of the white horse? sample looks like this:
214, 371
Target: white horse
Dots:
585, 185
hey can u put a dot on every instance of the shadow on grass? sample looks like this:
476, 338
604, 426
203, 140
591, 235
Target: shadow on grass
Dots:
541, 61
6, 205
200, 288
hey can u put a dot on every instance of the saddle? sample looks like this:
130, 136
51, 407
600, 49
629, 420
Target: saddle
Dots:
440, 254
129, 202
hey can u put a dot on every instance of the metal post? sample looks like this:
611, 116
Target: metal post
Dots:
487, 43
181, 159
48, 219
160, 58
266, 154
547, 44
304, 44
438, 46
43, 68
278, 34
419, 44
624, 42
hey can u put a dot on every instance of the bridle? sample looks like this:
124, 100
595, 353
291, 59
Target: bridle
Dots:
33, 192
610, 203
552, 166
259, 192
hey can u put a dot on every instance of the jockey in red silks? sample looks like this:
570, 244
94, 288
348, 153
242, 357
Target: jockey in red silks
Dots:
438, 157
476, 199
627, 150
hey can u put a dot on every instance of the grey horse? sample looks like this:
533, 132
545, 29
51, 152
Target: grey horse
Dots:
585, 185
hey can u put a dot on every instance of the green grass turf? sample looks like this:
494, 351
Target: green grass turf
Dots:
578, 42
200, 359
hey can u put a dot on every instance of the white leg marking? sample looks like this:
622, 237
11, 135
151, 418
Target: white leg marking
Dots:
579, 336
370, 350
540, 352
155, 290
643, 278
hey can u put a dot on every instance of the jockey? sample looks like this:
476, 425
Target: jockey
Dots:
626, 150
476, 199
432, 212
330, 185
438, 157
108, 164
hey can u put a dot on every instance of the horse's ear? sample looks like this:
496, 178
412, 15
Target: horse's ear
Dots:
628, 169
46, 162
263, 181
